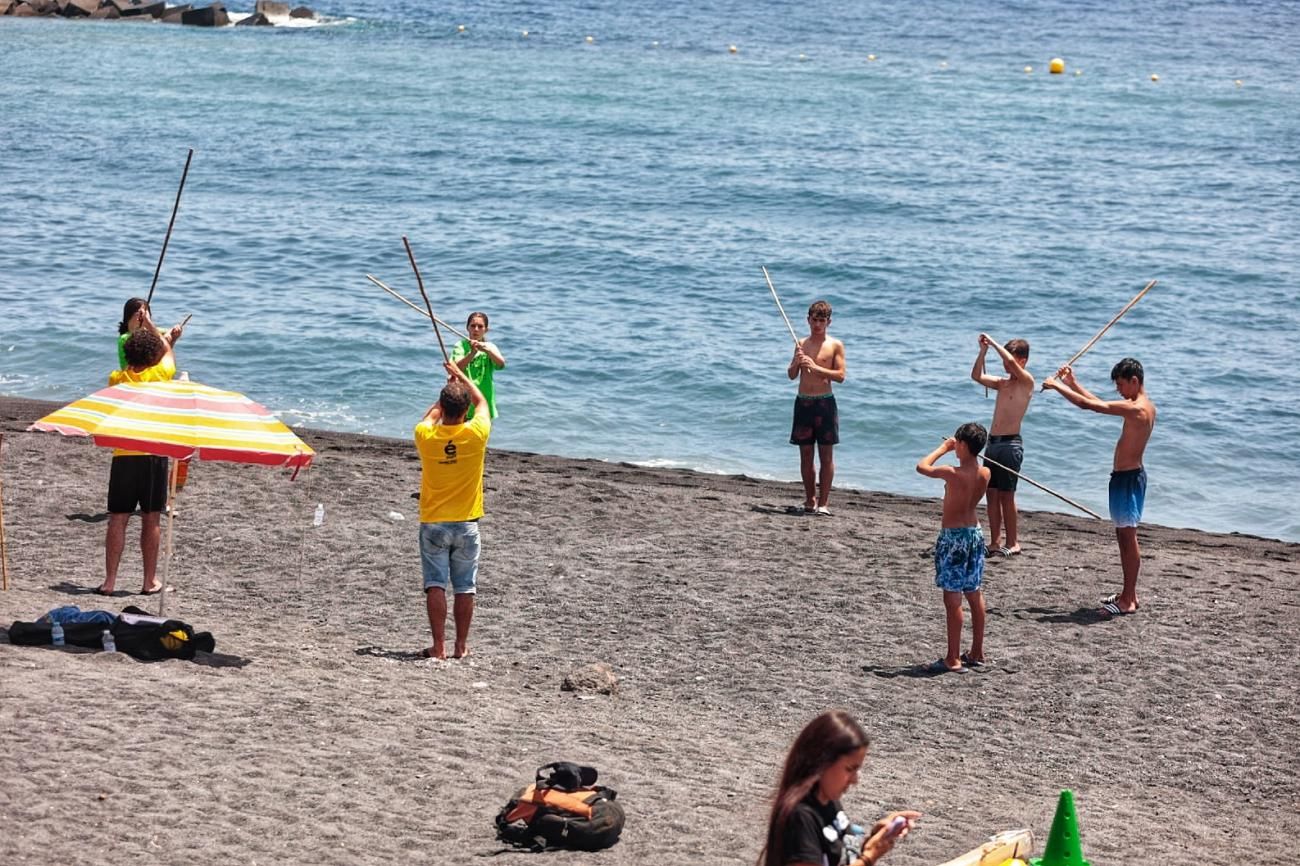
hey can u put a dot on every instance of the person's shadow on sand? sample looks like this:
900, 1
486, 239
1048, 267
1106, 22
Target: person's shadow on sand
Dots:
927, 670
89, 518
1082, 616
392, 655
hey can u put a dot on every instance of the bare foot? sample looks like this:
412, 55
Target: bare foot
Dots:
434, 652
461, 652
155, 589
106, 588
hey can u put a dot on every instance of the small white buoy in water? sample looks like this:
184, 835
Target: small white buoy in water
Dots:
732, 49
654, 44
525, 33
1237, 82
591, 39
871, 58
460, 28
1029, 69
943, 64
803, 57
1078, 72
1155, 77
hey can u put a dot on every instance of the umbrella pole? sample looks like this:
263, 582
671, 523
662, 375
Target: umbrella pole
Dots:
167, 554
4, 551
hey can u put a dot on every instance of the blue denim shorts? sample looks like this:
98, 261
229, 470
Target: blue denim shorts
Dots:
449, 553
1128, 496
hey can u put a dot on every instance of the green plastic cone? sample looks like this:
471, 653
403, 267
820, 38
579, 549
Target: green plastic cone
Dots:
1063, 842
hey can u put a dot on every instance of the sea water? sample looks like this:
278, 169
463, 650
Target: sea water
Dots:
609, 202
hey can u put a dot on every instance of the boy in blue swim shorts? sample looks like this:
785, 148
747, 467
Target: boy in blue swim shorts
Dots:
1128, 478
959, 551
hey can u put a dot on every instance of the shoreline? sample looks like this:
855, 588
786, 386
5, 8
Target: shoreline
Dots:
313, 734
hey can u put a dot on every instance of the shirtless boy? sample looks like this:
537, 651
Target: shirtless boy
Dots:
1005, 446
818, 361
959, 552
1128, 480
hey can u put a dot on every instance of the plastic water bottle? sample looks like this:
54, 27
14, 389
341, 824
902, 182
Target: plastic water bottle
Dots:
319, 517
854, 838
56, 633
106, 637
185, 375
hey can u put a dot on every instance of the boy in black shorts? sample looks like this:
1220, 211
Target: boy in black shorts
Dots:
136, 479
818, 361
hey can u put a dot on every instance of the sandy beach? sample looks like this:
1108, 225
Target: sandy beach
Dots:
315, 734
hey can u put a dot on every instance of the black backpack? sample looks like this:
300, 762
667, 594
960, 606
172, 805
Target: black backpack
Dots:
564, 808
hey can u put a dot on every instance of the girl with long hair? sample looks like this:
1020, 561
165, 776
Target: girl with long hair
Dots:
808, 825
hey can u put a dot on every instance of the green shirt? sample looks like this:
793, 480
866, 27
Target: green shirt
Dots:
479, 371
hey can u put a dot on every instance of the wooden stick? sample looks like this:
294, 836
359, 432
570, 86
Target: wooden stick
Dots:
1042, 487
168, 238
174, 468
767, 277
379, 283
4, 551
419, 280
1079, 354
186, 321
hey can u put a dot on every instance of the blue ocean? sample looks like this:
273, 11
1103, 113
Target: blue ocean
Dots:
605, 180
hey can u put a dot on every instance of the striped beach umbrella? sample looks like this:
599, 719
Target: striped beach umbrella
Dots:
181, 419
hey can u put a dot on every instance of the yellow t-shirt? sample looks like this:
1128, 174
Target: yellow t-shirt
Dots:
160, 372
451, 469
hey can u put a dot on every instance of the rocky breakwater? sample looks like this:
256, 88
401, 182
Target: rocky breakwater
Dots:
266, 13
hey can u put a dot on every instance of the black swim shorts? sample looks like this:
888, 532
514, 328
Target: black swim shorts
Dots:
138, 479
1010, 452
816, 420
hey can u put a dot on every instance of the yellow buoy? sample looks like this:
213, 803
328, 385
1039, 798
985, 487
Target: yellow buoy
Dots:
732, 49
871, 57
1155, 77
1056, 66
1029, 69
1237, 82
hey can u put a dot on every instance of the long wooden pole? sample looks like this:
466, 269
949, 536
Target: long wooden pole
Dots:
419, 280
1042, 487
173, 469
1079, 354
381, 285
766, 276
171, 223
4, 551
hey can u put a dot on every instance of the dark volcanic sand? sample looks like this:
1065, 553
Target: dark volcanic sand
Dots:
313, 736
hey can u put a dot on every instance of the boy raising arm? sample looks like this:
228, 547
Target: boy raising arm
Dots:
959, 551
1128, 478
818, 361
1005, 445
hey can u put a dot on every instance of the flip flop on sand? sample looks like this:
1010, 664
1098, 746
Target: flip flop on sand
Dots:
939, 666
822, 511
996, 551
1110, 606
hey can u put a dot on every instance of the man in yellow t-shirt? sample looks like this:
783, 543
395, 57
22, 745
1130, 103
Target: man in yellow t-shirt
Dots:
451, 502
135, 478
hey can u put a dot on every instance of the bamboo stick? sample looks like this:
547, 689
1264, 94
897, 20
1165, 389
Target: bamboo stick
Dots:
419, 280
1079, 354
381, 285
171, 516
767, 277
171, 223
1042, 487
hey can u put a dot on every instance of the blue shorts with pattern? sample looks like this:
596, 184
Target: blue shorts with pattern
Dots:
959, 559
1128, 495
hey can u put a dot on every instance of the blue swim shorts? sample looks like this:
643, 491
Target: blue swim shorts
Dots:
1128, 493
959, 559
449, 554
